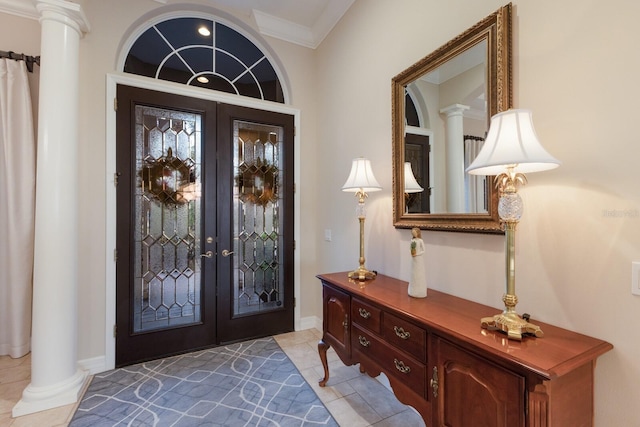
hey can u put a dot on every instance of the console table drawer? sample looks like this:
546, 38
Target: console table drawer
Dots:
405, 335
366, 315
392, 360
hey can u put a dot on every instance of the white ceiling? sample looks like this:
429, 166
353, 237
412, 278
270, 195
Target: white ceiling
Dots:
304, 22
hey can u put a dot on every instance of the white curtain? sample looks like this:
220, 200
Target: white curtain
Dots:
475, 185
17, 208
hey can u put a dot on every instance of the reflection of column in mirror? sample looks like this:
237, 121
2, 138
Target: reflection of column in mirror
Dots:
454, 136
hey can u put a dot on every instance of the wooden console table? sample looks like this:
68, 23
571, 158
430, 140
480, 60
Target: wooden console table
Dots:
454, 373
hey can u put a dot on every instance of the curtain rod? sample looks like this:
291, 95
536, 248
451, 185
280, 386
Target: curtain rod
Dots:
30, 60
475, 138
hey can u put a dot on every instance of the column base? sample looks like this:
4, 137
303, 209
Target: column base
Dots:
36, 399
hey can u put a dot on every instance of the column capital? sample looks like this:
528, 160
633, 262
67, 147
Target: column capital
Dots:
454, 109
65, 12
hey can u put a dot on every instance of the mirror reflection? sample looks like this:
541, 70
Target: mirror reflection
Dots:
441, 110
445, 125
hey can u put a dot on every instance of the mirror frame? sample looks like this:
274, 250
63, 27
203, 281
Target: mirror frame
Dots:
496, 29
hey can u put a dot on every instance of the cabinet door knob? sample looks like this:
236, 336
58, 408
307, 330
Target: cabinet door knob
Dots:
363, 341
434, 381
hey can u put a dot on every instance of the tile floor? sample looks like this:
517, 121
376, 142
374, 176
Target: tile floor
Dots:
354, 399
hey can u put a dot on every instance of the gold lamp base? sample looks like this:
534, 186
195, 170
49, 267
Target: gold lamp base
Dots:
362, 274
510, 211
512, 324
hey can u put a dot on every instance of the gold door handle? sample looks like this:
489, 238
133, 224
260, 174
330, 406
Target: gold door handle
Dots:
364, 313
207, 254
226, 252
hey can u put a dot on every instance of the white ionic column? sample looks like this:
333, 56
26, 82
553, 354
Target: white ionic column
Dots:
55, 377
455, 157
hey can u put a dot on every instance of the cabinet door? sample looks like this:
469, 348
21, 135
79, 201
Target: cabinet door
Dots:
336, 321
472, 391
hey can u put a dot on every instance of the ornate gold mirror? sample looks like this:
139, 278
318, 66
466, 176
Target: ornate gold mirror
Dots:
441, 110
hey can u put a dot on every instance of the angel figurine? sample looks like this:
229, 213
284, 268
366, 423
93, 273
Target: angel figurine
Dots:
418, 282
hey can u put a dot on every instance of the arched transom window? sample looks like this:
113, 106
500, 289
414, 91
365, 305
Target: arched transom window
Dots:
204, 53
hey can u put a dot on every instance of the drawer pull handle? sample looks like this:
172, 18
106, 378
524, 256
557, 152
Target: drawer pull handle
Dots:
434, 382
363, 341
400, 366
364, 313
401, 333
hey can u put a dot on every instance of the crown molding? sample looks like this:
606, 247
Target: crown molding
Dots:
332, 14
21, 8
33, 9
269, 25
282, 29
310, 37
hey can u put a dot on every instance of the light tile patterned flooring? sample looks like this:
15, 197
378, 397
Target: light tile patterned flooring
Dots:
354, 399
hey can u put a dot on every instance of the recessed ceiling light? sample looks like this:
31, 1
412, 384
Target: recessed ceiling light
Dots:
204, 31
203, 79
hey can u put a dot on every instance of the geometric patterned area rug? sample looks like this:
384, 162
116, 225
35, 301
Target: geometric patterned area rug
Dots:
252, 383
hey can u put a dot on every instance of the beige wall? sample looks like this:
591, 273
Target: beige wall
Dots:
574, 67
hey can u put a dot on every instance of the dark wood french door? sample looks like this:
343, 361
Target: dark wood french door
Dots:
204, 224
417, 153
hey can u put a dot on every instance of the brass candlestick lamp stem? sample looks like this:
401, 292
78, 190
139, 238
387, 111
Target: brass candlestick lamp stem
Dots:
361, 273
510, 209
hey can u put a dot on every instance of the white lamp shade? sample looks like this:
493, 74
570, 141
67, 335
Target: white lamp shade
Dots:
512, 141
410, 183
361, 177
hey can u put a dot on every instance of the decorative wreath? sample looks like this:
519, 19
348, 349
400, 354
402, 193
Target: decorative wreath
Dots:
258, 182
165, 179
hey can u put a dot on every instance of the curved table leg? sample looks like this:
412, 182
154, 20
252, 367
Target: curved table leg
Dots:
322, 351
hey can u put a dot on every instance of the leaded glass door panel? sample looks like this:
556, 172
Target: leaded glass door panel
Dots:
167, 224
256, 276
166, 165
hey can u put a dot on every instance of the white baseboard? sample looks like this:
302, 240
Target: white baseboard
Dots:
94, 365
310, 322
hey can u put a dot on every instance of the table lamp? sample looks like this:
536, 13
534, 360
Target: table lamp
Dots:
511, 149
361, 181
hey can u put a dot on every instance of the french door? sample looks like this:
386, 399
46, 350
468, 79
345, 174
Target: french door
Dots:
417, 153
204, 224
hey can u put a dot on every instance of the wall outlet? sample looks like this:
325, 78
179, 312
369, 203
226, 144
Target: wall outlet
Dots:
327, 235
635, 278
